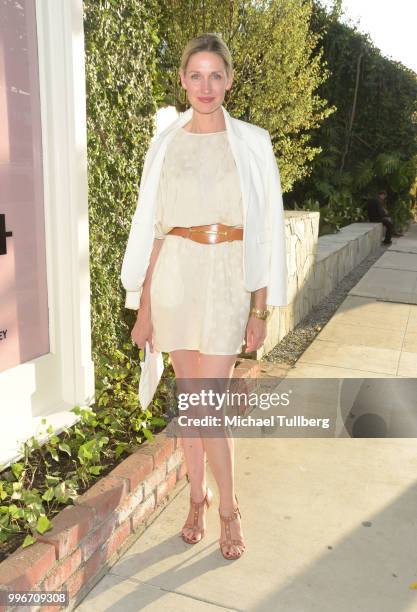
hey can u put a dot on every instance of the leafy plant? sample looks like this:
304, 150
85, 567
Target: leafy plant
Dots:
120, 60
52, 474
68, 463
370, 142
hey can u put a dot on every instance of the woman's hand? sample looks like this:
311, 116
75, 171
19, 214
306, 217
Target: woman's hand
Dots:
142, 330
255, 334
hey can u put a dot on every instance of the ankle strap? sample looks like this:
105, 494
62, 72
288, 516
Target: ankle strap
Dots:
199, 504
231, 517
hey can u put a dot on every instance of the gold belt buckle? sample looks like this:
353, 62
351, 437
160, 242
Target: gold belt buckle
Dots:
226, 233
223, 233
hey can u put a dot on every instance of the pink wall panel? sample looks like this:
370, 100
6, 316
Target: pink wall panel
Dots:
23, 289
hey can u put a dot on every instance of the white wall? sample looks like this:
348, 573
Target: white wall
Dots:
50, 385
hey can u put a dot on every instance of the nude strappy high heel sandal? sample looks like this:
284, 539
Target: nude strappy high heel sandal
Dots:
224, 544
194, 525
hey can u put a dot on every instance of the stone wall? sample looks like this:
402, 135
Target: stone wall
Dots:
316, 266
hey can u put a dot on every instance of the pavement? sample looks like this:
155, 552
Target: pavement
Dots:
374, 331
330, 523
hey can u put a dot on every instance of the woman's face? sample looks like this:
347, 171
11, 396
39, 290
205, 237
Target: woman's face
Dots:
205, 81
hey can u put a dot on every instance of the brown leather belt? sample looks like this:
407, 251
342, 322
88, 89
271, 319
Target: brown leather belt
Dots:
209, 234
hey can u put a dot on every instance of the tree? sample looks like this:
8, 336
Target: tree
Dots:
277, 71
371, 139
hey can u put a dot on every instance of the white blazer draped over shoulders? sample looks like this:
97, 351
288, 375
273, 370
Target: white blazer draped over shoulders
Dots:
264, 251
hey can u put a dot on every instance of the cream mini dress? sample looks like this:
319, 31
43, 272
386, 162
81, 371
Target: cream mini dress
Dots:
198, 298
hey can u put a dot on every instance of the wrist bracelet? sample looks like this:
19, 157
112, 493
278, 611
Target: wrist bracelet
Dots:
260, 314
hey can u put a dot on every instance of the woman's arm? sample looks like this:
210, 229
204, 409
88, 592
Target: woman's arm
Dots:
259, 298
256, 328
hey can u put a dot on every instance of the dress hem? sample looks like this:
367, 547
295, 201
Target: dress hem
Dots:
186, 348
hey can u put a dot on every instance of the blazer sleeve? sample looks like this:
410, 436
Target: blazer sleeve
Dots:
277, 288
131, 276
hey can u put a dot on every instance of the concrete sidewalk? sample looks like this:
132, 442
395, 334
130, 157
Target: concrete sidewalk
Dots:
330, 524
374, 331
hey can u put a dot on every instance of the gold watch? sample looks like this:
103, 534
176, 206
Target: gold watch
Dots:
260, 314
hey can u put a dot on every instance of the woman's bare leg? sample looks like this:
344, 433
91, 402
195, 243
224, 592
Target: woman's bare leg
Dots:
220, 451
185, 364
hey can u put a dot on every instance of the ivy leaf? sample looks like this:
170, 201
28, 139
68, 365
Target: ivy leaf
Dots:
17, 490
48, 495
43, 524
53, 452
14, 510
28, 541
51, 480
65, 448
95, 469
148, 434
60, 492
17, 469
4, 536
158, 421
120, 448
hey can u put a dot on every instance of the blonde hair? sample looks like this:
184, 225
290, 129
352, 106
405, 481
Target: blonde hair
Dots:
209, 41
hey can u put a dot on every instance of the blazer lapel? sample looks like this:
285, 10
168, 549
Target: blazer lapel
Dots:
240, 153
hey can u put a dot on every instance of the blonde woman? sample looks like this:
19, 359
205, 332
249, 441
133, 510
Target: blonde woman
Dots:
206, 237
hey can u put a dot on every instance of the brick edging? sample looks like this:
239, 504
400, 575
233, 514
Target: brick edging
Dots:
88, 537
